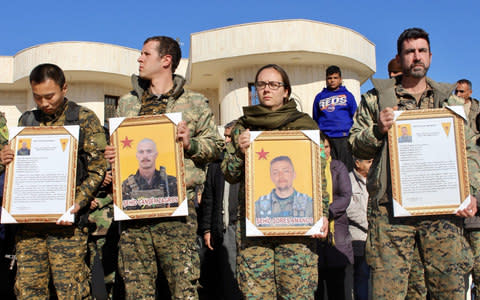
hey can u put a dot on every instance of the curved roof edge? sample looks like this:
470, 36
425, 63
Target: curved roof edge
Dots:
283, 21
296, 41
70, 56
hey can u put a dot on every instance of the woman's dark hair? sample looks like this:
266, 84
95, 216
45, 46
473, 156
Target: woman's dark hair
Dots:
285, 80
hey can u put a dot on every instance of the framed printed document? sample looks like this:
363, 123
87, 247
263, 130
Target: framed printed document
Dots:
428, 162
40, 181
283, 183
148, 173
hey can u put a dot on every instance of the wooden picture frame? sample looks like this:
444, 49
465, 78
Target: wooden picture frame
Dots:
136, 140
40, 181
428, 162
276, 163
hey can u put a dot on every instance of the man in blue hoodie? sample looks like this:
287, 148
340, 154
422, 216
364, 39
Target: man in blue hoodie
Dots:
333, 110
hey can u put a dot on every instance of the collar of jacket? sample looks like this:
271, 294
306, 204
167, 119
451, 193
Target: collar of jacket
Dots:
441, 91
141, 85
259, 117
359, 177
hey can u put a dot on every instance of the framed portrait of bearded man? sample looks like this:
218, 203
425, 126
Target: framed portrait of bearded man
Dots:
283, 183
148, 173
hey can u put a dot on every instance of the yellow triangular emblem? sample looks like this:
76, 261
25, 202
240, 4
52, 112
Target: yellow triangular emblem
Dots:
64, 143
446, 127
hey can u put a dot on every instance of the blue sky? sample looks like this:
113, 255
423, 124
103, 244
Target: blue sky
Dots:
453, 27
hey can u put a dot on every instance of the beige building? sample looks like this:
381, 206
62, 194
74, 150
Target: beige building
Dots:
222, 66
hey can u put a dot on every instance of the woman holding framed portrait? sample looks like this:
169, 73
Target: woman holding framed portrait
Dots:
271, 267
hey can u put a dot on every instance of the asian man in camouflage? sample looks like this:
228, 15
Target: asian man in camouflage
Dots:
445, 255
58, 251
169, 241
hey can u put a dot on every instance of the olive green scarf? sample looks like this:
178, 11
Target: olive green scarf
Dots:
287, 117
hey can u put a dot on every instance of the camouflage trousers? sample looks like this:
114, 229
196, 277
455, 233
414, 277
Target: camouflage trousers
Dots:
444, 252
473, 237
417, 290
97, 246
51, 250
276, 267
169, 243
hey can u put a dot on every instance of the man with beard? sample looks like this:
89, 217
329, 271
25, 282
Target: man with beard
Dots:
445, 254
283, 201
149, 182
472, 107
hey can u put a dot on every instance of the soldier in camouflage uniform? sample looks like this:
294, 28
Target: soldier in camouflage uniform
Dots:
169, 241
391, 241
280, 267
45, 250
3, 136
463, 90
6, 230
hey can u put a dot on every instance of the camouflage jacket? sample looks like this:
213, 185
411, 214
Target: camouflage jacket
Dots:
162, 184
102, 215
262, 119
93, 144
297, 205
473, 115
367, 141
474, 122
3, 136
205, 141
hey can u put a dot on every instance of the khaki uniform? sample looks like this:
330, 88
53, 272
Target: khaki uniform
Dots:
170, 241
472, 225
59, 251
391, 242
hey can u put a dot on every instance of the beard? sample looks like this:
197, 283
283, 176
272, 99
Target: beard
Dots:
416, 70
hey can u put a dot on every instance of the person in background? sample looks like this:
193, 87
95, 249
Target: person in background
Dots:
335, 253
358, 226
394, 68
333, 110
217, 224
463, 89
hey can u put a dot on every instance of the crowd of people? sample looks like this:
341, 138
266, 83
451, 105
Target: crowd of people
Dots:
360, 251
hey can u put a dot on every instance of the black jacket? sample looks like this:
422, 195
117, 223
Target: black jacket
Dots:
211, 207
